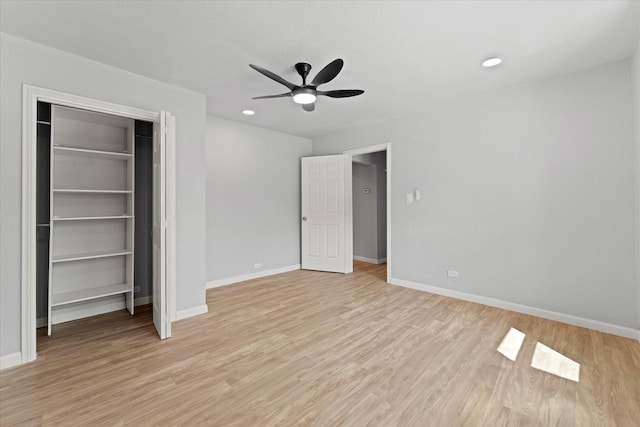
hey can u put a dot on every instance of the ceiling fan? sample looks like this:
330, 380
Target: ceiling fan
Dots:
307, 93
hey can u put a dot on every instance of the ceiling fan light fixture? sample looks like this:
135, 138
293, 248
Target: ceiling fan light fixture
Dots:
491, 62
304, 96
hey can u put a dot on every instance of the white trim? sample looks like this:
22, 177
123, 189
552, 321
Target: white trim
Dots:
77, 101
30, 97
41, 322
374, 149
369, 149
231, 280
370, 260
171, 221
190, 312
348, 214
28, 252
10, 360
519, 308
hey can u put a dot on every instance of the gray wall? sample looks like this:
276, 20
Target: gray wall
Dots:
635, 76
253, 198
365, 214
528, 192
21, 62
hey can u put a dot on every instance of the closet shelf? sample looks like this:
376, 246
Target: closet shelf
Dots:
81, 191
72, 151
90, 218
89, 255
89, 294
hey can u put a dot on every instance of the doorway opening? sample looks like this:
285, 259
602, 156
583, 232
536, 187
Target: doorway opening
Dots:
370, 205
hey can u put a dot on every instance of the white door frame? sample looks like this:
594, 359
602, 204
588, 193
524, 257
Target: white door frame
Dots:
30, 97
367, 150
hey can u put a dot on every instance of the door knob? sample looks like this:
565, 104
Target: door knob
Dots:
304, 218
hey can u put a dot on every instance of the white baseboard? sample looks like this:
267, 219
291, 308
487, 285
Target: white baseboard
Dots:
533, 311
10, 360
143, 300
190, 312
224, 282
41, 322
88, 309
370, 260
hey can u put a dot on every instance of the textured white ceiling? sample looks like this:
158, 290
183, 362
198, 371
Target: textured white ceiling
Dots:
405, 55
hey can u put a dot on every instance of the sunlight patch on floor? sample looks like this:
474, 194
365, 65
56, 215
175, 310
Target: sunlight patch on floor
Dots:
544, 358
511, 343
549, 360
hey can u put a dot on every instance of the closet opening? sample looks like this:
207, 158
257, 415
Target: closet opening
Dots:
94, 215
143, 242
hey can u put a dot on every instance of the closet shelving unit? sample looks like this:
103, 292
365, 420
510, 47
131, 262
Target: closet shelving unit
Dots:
91, 208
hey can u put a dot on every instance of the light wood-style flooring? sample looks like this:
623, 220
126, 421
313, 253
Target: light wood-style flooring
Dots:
322, 349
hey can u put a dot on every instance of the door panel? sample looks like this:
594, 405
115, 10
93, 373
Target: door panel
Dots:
325, 216
164, 132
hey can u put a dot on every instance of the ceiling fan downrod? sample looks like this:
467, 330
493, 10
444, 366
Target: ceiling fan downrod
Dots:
303, 69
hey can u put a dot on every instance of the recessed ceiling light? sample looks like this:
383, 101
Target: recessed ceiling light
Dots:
491, 62
248, 112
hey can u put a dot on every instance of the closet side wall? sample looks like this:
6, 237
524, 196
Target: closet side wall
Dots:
42, 209
144, 211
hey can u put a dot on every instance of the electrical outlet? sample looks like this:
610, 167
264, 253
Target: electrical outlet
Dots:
257, 265
452, 273
136, 289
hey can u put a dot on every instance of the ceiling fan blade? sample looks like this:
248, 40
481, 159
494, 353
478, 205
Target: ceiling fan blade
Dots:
309, 107
328, 73
273, 76
343, 93
282, 95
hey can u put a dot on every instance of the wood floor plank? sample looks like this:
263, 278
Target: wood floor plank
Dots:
322, 349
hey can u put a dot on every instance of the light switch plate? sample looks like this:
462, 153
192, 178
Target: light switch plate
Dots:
409, 197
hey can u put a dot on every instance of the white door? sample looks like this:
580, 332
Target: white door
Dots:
326, 214
164, 135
